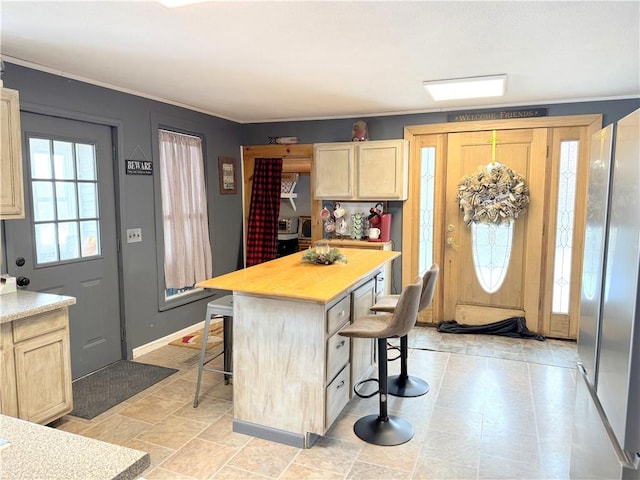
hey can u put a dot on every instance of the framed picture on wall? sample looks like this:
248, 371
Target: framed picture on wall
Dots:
227, 167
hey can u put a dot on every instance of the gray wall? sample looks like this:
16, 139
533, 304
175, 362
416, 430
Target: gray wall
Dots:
135, 120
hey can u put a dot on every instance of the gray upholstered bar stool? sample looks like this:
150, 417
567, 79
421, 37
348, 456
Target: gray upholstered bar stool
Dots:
404, 385
384, 429
220, 306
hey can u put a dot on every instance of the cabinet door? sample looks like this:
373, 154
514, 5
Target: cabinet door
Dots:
43, 377
362, 349
11, 189
333, 171
383, 170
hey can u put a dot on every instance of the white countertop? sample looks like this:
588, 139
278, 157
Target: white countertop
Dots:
21, 304
39, 452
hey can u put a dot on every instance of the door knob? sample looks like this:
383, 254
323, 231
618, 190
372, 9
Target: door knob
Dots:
22, 281
451, 242
20, 261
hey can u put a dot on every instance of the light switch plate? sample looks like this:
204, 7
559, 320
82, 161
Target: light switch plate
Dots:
134, 235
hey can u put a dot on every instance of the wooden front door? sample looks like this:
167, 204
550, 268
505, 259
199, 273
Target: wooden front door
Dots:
465, 300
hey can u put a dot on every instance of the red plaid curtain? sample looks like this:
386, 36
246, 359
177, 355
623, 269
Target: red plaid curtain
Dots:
262, 232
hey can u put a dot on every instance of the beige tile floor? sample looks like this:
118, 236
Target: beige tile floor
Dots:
498, 408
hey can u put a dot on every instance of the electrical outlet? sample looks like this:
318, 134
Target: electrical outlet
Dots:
134, 235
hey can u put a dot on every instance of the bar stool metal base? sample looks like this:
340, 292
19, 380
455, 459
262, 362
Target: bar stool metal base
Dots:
407, 386
394, 431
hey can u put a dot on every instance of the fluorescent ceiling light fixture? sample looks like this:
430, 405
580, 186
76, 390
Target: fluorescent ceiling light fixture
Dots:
178, 3
470, 87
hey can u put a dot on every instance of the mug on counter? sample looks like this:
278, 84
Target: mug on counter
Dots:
374, 233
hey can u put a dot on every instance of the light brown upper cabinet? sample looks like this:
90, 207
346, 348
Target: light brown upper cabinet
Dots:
11, 190
372, 170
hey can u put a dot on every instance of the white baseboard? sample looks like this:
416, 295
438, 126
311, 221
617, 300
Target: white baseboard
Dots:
161, 342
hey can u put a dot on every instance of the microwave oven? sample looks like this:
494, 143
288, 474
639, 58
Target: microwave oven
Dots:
288, 225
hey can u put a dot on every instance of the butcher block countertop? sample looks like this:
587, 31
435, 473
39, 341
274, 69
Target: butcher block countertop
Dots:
289, 277
22, 304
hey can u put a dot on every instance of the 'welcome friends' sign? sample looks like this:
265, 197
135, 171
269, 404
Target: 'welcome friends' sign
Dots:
502, 114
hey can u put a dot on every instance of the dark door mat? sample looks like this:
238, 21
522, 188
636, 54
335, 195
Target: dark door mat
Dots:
101, 390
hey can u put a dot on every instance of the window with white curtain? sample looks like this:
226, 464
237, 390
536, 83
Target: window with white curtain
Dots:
185, 221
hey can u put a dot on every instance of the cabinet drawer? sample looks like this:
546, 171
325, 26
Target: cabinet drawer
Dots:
40, 324
337, 396
338, 348
339, 314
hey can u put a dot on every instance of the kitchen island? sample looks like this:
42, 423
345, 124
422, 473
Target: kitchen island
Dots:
292, 370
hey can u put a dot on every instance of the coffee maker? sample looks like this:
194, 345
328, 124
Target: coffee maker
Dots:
385, 227
379, 221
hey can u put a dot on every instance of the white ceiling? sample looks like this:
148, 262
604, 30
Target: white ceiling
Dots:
269, 61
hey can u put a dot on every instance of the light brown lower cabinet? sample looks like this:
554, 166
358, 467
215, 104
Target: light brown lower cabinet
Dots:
36, 367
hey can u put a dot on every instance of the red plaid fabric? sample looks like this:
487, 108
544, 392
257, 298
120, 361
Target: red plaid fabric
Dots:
262, 232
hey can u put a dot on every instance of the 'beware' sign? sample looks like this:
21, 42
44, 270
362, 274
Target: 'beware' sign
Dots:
139, 167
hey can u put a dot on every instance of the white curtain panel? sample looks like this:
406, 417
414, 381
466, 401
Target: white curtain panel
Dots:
187, 248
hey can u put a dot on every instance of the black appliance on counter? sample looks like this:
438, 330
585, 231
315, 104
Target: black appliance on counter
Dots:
287, 244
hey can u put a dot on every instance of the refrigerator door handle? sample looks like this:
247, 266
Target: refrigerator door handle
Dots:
626, 459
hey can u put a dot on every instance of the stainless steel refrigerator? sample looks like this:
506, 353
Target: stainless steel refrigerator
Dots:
606, 433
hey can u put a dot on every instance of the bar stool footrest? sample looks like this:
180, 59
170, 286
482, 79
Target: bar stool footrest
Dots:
397, 349
360, 383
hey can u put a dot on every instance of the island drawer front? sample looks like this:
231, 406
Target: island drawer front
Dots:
339, 314
39, 325
338, 349
337, 395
